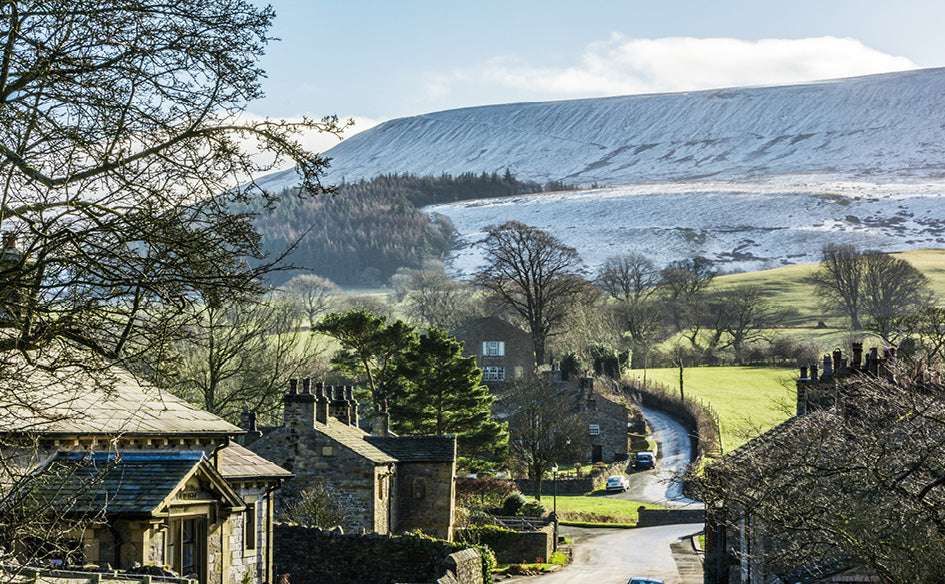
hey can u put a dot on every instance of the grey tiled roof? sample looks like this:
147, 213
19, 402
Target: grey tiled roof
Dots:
354, 439
132, 483
73, 405
236, 462
417, 448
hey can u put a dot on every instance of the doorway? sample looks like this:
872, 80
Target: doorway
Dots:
187, 547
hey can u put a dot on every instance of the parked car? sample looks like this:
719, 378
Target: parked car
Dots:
617, 483
644, 581
644, 460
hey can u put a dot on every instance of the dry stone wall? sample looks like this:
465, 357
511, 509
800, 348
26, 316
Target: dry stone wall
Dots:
311, 556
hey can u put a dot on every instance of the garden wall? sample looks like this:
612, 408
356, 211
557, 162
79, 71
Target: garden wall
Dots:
310, 555
652, 517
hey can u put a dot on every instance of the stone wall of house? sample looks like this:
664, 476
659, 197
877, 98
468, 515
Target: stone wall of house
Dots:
313, 556
350, 478
611, 420
426, 498
519, 350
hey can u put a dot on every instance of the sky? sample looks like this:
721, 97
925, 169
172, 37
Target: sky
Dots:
376, 60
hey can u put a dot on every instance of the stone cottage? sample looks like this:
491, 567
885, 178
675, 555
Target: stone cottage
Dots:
503, 351
144, 477
743, 538
606, 419
383, 483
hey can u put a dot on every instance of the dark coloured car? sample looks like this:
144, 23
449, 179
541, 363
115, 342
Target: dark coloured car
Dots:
644, 581
644, 460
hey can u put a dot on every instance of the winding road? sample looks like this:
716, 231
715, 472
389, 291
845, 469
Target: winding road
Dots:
611, 556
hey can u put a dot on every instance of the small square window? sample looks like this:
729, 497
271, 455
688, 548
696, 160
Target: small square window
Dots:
593, 429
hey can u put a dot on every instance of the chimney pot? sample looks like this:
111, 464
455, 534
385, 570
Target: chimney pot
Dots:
813, 373
320, 390
307, 386
804, 373
293, 386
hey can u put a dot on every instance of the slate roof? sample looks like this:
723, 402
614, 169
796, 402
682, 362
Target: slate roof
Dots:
784, 432
71, 405
354, 439
417, 448
237, 462
134, 483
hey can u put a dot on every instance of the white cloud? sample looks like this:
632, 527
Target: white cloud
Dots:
622, 66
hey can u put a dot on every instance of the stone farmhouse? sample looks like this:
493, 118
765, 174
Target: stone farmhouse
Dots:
503, 351
144, 477
384, 483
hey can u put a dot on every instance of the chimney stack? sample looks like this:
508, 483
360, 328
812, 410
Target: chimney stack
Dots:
380, 424
321, 404
299, 409
857, 356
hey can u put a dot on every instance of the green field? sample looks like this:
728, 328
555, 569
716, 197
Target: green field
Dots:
596, 509
789, 287
748, 400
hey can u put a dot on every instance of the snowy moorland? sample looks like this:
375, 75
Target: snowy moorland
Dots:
751, 177
743, 226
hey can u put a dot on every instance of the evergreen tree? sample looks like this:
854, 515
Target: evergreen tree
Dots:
439, 392
369, 346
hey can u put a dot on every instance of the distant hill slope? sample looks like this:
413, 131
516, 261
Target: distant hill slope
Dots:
874, 127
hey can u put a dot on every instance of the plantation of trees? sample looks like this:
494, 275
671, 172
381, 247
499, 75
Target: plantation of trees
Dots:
360, 236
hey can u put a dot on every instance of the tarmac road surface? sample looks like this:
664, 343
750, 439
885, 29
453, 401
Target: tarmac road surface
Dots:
613, 556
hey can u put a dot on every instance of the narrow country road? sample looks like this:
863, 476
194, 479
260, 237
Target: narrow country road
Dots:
674, 454
613, 556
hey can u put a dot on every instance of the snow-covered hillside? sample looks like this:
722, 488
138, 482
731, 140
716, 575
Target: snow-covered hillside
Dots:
889, 125
750, 177
742, 226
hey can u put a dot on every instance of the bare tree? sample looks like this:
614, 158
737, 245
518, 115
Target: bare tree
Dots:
628, 277
742, 314
683, 283
436, 300
859, 483
839, 281
312, 293
533, 273
238, 355
871, 284
121, 150
542, 428
893, 290
121, 147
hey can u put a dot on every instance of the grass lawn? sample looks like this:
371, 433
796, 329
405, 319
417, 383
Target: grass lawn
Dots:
748, 400
596, 509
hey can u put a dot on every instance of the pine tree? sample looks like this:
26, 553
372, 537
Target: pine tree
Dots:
439, 392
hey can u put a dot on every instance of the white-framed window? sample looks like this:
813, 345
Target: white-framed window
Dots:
493, 373
593, 429
493, 348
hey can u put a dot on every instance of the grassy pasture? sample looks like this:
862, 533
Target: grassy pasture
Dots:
748, 400
596, 509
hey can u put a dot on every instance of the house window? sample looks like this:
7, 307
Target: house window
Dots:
519, 372
249, 526
493, 373
493, 348
593, 429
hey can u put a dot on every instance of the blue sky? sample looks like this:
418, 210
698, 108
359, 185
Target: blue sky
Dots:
378, 60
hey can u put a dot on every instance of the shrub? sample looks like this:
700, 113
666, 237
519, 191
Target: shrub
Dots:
483, 492
533, 509
315, 507
513, 504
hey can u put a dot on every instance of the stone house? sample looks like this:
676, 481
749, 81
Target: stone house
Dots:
603, 437
743, 537
145, 478
382, 482
503, 351
606, 420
